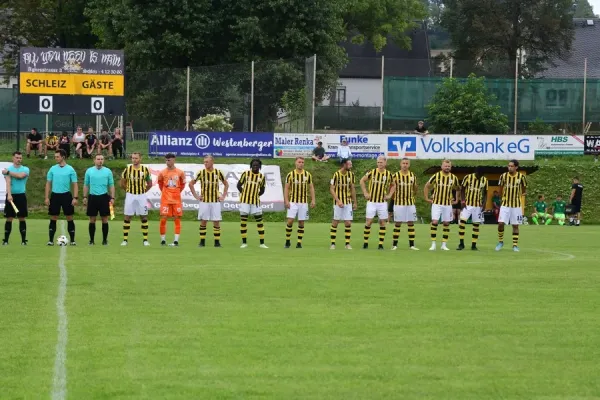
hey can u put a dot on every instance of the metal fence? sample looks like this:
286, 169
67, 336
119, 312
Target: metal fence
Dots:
371, 94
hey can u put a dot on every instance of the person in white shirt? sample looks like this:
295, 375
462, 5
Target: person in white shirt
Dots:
343, 152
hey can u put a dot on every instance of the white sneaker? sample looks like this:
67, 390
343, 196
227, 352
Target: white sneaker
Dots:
244, 245
413, 248
348, 247
146, 243
444, 247
433, 246
394, 248
46, 157
124, 243
332, 247
263, 246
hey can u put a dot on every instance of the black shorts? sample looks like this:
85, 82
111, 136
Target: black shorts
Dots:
20, 201
575, 208
60, 201
98, 204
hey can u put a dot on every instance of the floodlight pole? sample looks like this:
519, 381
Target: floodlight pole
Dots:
584, 91
517, 61
252, 97
382, 94
187, 102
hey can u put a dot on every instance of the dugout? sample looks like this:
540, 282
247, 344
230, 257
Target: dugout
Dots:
492, 173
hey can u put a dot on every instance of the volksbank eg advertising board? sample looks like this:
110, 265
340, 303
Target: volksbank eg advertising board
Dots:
71, 81
216, 144
461, 147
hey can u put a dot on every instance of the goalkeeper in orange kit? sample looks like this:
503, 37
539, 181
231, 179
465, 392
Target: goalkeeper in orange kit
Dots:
171, 182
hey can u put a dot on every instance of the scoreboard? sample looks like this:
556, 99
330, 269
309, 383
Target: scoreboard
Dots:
71, 81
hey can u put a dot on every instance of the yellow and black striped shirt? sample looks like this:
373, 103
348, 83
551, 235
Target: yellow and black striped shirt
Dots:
405, 188
512, 188
343, 184
299, 184
379, 182
442, 188
474, 189
52, 140
136, 178
251, 185
209, 184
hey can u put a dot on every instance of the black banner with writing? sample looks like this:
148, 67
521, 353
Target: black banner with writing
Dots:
591, 145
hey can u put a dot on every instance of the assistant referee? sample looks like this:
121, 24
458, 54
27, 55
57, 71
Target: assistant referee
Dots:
97, 184
60, 180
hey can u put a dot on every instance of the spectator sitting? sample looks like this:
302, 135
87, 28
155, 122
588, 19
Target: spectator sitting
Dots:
51, 144
64, 143
319, 153
117, 143
421, 129
78, 141
105, 143
343, 152
34, 142
91, 141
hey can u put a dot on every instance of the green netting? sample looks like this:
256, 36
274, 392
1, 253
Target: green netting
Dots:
552, 100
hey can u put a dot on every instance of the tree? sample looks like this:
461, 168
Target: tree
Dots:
493, 31
213, 123
465, 107
583, 9
376, 20
42, 23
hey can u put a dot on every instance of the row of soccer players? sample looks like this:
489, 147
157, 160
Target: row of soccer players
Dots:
441, 190
98, 196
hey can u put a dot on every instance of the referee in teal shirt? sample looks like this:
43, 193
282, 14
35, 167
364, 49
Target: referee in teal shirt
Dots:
100, 185
16, 184
60, 180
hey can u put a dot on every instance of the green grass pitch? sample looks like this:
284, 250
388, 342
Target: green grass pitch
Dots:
190, 323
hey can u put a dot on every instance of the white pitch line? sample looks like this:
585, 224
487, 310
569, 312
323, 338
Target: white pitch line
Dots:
566, 255
59, 382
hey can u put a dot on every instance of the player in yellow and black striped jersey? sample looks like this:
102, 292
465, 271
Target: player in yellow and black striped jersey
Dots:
443, 183
210, 199
474, 192
404, 187
380, 180
251, 185
298, 185
136, 180
513, 185
51, 144
343, 192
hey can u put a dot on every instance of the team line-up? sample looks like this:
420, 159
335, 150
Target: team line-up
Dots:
378, 185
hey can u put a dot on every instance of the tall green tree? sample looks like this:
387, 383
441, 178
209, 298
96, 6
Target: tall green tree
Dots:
583, 9
42, 23
491, 32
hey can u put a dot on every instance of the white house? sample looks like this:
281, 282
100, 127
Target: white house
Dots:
360, 81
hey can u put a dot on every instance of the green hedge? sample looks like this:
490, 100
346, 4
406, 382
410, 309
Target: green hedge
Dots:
553, 177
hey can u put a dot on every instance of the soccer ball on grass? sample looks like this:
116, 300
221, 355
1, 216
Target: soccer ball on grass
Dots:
62, 241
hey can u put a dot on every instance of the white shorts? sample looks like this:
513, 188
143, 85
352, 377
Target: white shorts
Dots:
405, 213
209, 211
250, 209
511, 215
298, 209
342, 213
473, 212
379, 209
135, 204
445, 212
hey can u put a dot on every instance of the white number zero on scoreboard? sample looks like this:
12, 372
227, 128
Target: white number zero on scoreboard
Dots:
46, 104
97, 105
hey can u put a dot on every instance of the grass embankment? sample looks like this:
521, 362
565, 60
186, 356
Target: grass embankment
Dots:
553, 177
